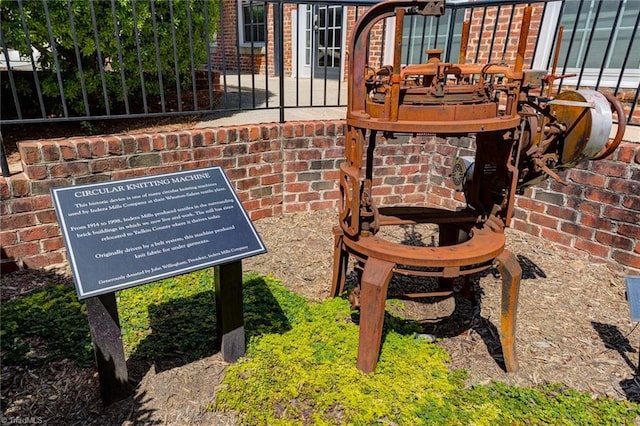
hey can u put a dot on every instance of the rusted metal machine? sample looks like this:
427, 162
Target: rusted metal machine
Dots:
520, 140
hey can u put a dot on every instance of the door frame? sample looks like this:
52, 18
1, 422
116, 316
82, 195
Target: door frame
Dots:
302, 37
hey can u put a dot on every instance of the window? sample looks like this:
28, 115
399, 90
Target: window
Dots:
597, 42
253, 22
430, 32
589, 24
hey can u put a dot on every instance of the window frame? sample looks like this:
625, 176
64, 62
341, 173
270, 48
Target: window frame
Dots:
243, 41
608, 77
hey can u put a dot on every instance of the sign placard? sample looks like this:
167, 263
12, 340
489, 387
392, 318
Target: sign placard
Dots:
633, 297
125, 233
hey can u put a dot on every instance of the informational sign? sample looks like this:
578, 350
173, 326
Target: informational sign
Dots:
633, 297
125, 233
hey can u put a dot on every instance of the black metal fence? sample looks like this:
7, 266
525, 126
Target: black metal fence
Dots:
79, 60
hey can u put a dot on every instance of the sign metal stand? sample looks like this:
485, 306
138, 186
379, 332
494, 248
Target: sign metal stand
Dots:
130, 232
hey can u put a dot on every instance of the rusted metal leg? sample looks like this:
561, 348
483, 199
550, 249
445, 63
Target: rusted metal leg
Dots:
375, 281
340, 264
511, 272
448, 235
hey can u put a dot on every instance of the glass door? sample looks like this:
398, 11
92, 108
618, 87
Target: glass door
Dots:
327, 41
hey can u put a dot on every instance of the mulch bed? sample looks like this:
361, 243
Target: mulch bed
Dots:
573, 328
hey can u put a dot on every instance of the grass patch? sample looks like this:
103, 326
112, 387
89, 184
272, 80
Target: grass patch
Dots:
172, 317
300, 364
47, 324
307, 375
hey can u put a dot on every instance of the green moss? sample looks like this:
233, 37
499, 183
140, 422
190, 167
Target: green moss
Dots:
300, 363
551, 404
47, 324
308, 374
171, 317
305, 374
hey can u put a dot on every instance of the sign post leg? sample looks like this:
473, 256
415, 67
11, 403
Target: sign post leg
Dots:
229, 311
107, 345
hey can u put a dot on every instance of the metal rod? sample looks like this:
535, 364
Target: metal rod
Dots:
140, 67
484, 16
435, 38
314, 52
175, 55
154, 25
266, 55
609, 46
34, 68
116, 27
238, 65
422, 39
12, 83
506, 37
449, 41
556, 56
223, 56
522, 43
297, 55
281, 64
252, 55
464, 41
4, 165
586, 53
573, 35
410, 37
342, 55
191, 56
54, 53
83, 85
209, 65
96, 36
626, 58
493, 33
634, 104
326, 51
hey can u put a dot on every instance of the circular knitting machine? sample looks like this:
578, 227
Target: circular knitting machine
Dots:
520, 140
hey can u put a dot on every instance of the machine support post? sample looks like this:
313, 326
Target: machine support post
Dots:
511, 273
375, 281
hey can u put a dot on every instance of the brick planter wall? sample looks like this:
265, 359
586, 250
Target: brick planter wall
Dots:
294, 167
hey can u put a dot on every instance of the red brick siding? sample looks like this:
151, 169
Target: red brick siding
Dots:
294, 167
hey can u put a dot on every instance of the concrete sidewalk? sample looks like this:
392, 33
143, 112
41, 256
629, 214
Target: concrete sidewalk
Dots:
251, 95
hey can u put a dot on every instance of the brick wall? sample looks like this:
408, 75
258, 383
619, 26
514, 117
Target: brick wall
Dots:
490, 40
294, 167
226, 55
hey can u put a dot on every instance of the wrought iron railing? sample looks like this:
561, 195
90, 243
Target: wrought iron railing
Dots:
94, 60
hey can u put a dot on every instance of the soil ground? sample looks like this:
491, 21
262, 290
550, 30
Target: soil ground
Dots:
573, 328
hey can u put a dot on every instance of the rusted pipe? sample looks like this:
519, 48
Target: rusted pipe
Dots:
522, 42
393, 100
464, 41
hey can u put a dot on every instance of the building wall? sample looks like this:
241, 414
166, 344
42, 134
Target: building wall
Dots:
489, 33
292, 167
227, 55
490, 41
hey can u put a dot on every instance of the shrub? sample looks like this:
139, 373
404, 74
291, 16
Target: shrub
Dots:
132, 41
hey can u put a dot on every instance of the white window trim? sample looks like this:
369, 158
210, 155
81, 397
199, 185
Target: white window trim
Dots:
299, 39
610, 76
242, 42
